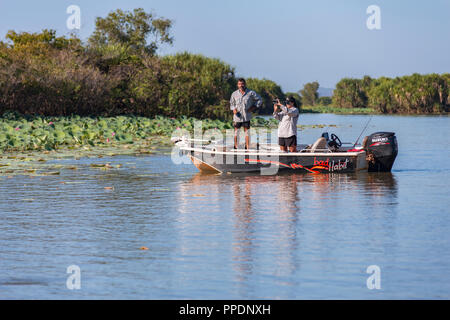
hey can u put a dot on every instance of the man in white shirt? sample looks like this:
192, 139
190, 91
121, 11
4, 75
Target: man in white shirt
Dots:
287, 129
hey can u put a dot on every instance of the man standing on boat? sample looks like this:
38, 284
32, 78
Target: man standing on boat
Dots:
287, 129
243, 102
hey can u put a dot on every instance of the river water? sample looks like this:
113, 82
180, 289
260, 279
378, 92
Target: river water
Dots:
156, 230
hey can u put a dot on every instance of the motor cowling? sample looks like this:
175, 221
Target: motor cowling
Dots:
382, 149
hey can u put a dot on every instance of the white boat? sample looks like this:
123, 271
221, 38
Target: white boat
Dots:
377, 153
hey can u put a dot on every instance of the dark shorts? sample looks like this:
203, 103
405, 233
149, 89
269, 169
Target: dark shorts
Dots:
245, 124
288, 142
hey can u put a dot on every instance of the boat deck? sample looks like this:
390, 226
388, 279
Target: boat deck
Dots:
268, 149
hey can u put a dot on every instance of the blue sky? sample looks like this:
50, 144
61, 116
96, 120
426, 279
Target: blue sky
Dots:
289, 41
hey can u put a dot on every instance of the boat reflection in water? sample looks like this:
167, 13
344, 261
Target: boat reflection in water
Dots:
265, 220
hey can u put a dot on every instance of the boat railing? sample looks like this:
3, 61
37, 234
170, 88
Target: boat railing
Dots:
218, 146
306, 150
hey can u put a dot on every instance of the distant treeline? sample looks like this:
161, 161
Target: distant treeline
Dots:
408, 94
118, 72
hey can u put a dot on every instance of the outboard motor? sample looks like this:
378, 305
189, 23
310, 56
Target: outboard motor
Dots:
382, 149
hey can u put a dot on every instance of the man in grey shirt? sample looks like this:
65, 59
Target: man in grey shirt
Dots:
287, 129
243, 102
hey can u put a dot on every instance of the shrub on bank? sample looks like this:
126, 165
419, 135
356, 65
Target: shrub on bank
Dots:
408, 94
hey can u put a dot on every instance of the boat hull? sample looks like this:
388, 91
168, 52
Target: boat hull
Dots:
272, 164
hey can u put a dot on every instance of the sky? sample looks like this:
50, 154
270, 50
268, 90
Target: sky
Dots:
291, 42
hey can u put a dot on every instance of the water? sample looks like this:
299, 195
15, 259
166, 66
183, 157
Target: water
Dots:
235, 237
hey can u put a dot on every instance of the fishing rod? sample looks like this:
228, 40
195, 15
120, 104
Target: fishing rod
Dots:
362, 131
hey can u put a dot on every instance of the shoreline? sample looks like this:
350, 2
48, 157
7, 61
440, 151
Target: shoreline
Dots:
360, 111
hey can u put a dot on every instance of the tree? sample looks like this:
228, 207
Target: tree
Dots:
446, 77
324, 101
380, 95
309, 93
46, 38
132, 29
350, 93
268, 90
192, 83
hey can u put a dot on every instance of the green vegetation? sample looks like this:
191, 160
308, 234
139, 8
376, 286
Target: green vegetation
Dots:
324, 101
131, 29
116, 73
29, 143
268, 90
332, 109
408, 94
309, 93
22, 133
